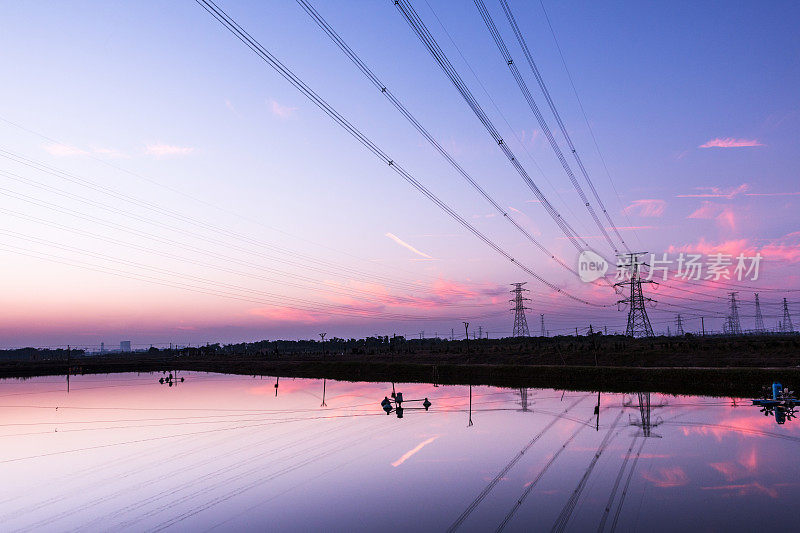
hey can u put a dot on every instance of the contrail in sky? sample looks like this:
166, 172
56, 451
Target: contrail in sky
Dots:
404, 244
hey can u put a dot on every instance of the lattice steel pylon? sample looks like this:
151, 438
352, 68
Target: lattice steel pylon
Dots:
520, 322
786, 325
679, 326
732, 324
544, 331
759, 317
638, 322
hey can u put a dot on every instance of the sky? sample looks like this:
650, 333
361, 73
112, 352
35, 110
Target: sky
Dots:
161, 183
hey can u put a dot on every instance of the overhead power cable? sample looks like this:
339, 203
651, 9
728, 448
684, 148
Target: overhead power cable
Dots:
286, 280
523, 87
202, 285
234, 213
532, 484
529, 57
287, 74
501, 474
615, 521
343, 46
418, 26
569, 507
228, 237
519, 138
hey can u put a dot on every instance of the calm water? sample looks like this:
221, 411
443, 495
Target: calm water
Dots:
217, 452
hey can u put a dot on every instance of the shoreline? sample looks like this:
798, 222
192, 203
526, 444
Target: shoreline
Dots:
707, 381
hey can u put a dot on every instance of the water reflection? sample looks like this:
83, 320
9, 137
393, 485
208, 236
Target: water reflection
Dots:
124, 452
398, 404
171, 378
781, 405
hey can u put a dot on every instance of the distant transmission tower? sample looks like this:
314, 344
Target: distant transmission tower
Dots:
638, 322
520, 322
786, 325
732, 325
759, 318
544, 331
679, 326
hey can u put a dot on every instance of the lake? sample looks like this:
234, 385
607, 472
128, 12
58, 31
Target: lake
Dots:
236, 453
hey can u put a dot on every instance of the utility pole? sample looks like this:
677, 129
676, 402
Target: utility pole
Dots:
786, 325
703, 325
480, 332
759, 317
452, 335
520, 322
732, 325
638, 322
322, 336
679, 326
544, 331
69, 364
466, 335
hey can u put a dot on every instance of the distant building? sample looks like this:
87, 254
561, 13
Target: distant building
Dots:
125, 346
102, 347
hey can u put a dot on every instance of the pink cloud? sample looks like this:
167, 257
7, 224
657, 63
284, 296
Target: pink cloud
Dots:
724, 216
647, 207
730, 142
279, 110
718, 192
439, 295
795, 193
284, 314
667, 477
164, 150
786, 248
732, 247
746, 489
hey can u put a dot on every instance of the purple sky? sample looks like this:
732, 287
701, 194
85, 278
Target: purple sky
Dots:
160, 183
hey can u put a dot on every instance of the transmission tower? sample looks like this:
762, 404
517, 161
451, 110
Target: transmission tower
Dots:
759, 318
520, 322
679, 326
638, 322
544, 331
786, 325
732, 324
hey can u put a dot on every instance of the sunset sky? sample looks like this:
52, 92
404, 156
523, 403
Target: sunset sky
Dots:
161, 183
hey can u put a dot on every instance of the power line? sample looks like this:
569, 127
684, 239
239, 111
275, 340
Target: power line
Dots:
315, 263
236, 214
523, 87
418, 26
511, 129
514, 460
585, 119
287, 74
343, 46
